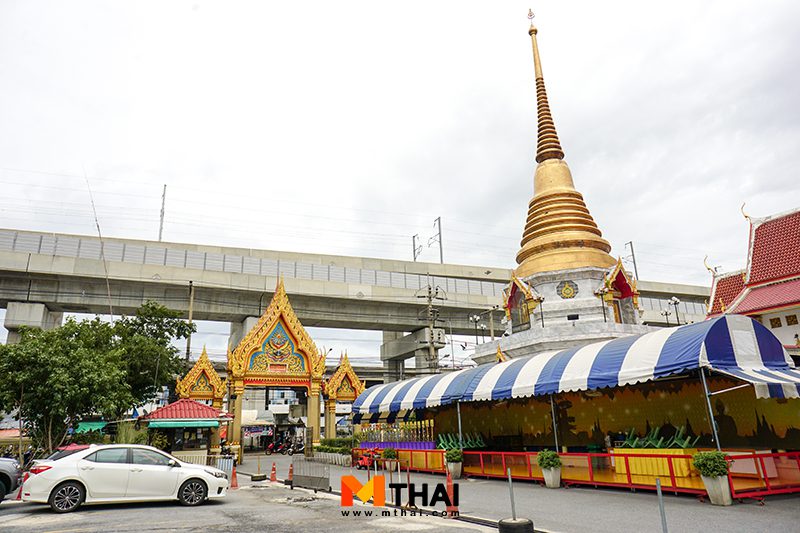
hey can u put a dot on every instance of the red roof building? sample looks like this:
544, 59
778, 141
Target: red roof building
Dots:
184, 409
769, 288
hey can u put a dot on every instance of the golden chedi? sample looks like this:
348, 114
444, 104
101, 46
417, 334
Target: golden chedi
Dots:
560, 233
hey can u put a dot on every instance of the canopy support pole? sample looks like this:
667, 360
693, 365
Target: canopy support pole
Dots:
555, 427
710, 411
458, 413
730, 389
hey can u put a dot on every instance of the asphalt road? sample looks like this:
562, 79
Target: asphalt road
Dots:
255, 507
576, 510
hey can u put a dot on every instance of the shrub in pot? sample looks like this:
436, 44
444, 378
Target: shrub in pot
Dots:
550, 463
713, 468
454, 458
390, 456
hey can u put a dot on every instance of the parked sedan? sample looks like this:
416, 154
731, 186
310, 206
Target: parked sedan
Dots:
9, 476
120, 473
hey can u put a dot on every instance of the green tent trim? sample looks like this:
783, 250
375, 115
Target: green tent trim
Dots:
183, 424
84, 427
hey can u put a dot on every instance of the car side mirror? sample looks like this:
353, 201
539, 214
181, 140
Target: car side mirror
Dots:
174, 463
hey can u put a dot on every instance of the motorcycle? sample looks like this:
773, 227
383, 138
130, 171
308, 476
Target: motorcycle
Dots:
366, 461
272, 448
283, 448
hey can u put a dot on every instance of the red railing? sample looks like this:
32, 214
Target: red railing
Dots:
752, 474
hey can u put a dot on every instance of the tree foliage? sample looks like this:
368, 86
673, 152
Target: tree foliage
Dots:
150, 360
89, 368
56, 377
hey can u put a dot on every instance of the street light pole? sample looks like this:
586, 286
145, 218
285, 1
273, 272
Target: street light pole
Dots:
676, 302
665, 313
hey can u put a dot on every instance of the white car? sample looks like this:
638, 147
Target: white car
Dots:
120, 473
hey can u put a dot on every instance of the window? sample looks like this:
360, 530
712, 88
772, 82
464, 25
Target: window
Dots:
791, 320
110, 455
775, 322
149, 457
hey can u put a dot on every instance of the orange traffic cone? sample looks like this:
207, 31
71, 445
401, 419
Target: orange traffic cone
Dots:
452, 508
234, 481
291, 475
273, 476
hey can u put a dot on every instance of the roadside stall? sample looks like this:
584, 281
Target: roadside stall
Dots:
190, 430
622, 412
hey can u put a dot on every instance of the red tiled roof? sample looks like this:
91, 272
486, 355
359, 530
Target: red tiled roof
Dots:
775, 246
183, 409
726, 288
781, 294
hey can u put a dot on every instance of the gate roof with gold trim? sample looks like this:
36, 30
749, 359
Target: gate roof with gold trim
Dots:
201, 382
277, 351
344, 384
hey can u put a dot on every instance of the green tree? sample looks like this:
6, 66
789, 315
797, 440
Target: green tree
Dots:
56, 377
150, 360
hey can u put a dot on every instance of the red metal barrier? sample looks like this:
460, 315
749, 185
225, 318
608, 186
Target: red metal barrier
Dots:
752, 474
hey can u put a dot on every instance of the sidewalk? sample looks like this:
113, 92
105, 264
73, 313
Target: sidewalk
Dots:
585, 509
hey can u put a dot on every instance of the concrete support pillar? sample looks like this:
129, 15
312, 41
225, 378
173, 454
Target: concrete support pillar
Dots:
330, 418
34, 315
240, 329
313, 410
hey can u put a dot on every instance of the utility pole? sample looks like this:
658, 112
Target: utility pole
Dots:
191, 305
431, 316
163, 202
417, 249
633, 257
438, 237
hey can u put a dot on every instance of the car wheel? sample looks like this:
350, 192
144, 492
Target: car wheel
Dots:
3, 490
67, 497
192, 492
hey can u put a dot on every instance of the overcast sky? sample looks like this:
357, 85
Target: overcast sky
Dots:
345, 128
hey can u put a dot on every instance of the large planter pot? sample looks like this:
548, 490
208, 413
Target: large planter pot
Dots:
719, 492
391, 465
552, 477
455, 470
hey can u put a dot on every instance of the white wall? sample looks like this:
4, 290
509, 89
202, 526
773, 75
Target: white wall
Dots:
785, 333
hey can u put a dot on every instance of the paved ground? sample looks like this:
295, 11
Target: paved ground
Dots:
254, 507
590, 509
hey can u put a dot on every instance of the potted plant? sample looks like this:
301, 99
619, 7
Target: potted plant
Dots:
454, 457
550, 463
390, 456
713, 467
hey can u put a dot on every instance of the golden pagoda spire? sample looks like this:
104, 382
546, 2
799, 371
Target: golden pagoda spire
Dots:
560, 233
548, 146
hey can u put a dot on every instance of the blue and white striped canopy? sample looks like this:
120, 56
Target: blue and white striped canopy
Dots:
733, 345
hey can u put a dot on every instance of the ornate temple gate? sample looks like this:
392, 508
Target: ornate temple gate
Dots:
342, 386
202, 383
277, 352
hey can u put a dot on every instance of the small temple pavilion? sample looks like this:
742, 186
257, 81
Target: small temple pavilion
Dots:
192, 428
768, 289
566, 287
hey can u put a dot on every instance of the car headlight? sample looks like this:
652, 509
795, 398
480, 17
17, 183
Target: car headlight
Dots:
218, 474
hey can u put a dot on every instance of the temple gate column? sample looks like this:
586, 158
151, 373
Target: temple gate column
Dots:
235, 437
313, 409
330, 418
